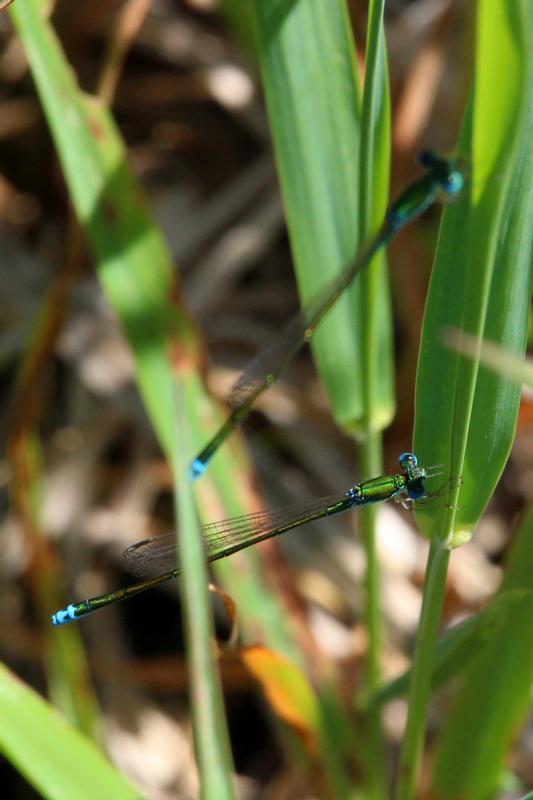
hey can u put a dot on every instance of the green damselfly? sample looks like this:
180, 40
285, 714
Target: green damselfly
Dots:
443, 178
157, 557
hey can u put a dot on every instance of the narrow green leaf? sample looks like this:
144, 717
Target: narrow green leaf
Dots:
213, 755
496, 693
56, 759
374, 326
459, 646
481, 283
307, 59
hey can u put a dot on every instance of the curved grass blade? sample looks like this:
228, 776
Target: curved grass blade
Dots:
211, 738
495, 696
481, 281
55, 758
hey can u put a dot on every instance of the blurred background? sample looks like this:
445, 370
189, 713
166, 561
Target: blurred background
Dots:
185, 93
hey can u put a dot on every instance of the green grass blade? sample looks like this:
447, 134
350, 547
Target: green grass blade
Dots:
459, 646
56, 759
496, 694
334, 179
307, 60
481, 282
421, 670
465, 415
374, 330
375, 322
109, 205
213, 755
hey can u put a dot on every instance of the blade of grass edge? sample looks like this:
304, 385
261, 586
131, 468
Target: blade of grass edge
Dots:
212, 748
458, 647
496, 692
466, 420
56, 759
316, 140
375, 331
481, 287
316, 135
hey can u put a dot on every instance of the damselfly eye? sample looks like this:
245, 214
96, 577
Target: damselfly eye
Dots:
407, 460
454, 183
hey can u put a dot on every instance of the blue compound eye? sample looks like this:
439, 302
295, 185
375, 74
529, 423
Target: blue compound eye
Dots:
454, 183
408, 457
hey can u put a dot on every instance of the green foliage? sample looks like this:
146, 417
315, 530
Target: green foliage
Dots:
58, 760
466, 419
211, 735
308, 67
496, 691
332, 148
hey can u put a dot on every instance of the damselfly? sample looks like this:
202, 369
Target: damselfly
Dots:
157, 561
444, 178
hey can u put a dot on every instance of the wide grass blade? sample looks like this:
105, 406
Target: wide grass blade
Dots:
481, 284
308, 67
459, 646
56, 759
496, 694
332, 152
481, 281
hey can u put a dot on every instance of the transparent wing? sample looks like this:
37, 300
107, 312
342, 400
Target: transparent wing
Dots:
155, 556
265, 367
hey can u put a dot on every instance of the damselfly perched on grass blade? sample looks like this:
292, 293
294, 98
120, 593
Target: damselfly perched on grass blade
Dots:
157, 557
443, 179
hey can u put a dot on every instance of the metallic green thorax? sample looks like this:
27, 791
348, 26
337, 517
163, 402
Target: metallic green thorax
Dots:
376, 490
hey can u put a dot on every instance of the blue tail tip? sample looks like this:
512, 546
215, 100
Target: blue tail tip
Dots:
64, 616
197, 468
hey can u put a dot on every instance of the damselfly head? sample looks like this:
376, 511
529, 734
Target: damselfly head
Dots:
447, 173
453, 183
409, 463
